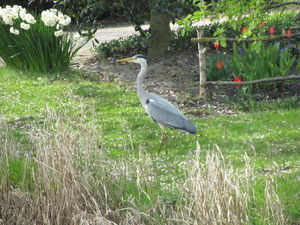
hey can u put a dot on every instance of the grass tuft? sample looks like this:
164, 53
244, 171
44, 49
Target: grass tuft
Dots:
218, 193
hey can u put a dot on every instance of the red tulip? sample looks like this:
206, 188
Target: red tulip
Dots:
272, 30
217, 45
288, 33
220, 65
243, 29
238, 79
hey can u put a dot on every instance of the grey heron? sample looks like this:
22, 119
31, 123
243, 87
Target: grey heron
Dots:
160, 110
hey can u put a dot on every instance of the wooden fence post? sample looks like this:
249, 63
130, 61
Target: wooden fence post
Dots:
202, 65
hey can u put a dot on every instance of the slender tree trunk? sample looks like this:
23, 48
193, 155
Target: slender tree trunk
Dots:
160, 28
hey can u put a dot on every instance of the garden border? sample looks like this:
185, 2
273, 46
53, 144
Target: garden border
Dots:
202, 60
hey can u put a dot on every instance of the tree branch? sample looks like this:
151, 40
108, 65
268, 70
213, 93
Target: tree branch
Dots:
294, 28
281, 4
228, 83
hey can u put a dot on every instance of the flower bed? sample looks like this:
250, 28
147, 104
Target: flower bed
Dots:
36, 42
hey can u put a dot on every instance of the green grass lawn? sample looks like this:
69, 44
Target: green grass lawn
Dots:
110, 122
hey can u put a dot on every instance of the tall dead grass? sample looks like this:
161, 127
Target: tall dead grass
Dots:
74, 182
61, 193
217, 193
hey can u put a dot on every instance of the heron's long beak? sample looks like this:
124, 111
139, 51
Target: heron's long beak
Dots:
125, 60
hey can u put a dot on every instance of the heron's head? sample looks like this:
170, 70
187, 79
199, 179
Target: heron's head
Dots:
134, 59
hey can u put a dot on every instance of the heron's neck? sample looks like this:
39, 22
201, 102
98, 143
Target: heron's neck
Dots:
139, 83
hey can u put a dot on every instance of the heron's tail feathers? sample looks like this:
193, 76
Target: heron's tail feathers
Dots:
190, 127
187, 126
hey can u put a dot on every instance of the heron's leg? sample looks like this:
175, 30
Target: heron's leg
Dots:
164, 137
161, 141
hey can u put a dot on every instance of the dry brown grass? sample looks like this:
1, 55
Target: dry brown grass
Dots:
217, 193
74, 182
61, 194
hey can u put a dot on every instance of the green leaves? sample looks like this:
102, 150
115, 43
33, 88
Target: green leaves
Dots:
215, 73
250, 13
261, 61
187, 24
200, 14
220, 33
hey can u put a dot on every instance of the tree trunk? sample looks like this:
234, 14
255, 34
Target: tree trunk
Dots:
160, 29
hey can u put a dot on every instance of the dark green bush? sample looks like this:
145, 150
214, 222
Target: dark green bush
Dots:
131, 45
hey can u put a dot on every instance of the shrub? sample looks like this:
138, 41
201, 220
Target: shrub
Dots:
36, 43
131, 45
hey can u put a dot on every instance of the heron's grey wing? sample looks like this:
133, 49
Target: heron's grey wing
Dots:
166, 114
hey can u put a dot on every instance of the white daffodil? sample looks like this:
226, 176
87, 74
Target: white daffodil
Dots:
76, 36
60, 16
25, 26
22, 13
54, 11
48, 18
58, 33
29, 18
15, 15
51, 17
50, 22
14, 31
7, 19
66, 20
8, 7
44, 14
15, 11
